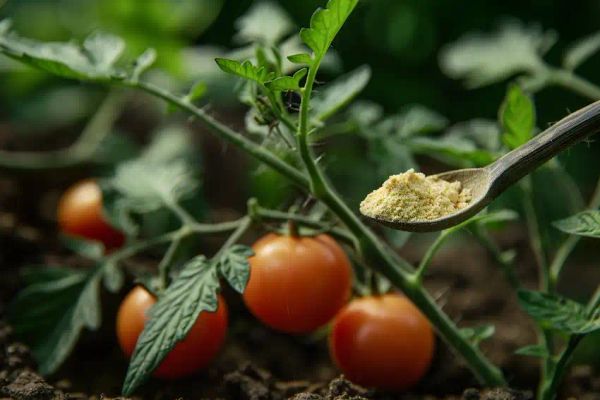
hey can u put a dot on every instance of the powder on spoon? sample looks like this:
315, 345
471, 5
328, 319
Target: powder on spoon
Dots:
412, 196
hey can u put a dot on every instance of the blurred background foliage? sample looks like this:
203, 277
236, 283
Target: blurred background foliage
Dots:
400, 40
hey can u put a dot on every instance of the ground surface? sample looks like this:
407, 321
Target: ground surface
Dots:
259, 364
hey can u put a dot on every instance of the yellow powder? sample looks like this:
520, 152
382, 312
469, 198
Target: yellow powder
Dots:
412, 196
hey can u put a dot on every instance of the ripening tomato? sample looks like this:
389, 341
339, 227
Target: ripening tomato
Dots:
80, 214
195, 352
297, 284
382, 341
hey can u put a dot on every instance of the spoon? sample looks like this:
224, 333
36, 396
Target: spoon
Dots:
489, 182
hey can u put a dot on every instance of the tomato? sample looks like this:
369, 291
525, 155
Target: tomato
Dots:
195, 352
297, 284
382, 341
80, 214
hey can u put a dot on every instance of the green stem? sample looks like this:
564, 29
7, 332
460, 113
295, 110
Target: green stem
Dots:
431, 251
164, 267
243, 226
81, 151
274, 215
569, 80
550, 385
398, 271
226, 133
507, 267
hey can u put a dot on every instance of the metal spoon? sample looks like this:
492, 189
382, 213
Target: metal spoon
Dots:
488, 182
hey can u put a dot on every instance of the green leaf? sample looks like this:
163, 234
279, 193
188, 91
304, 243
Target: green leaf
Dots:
94, 60
456, 151
419, 120
287, 83
85, 248
113, 276
585, 223
171, 318
336, 95
483, 59
252, 27
51, 314
300, 58
478, 334
517, 117
559, 313
325, 24
147, 186
103, 50
234, 266
142, 63
534, 350
581, 50
244, 70
196, 92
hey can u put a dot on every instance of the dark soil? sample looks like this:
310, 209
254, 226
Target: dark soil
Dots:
257, 363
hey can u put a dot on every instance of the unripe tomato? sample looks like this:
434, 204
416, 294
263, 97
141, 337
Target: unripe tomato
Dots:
80, 214
382, 341
195, 352
297, 284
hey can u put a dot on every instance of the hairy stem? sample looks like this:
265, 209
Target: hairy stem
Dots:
398, 271
431, 251
226, 133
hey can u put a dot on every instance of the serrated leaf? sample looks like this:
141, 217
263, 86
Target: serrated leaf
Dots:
196, 92
50, 315
287, 83
559, 313
94, 60
325, 24
103, 50
142, 63
581, 50
234, 266
517, 117
194, 291
244, 70
478, 334
483, 59
300, 58
586, 223
336, 95
252, 27
534, 350
147, 186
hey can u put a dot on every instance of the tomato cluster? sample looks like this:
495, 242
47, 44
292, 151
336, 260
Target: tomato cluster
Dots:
297, 284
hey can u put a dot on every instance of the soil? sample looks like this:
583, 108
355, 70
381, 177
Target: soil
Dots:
257, 363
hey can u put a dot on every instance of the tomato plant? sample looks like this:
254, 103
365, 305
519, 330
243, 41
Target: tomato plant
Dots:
80, 214
196, 351
297, 284
382, 341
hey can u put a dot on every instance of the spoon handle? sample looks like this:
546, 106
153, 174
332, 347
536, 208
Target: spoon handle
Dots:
574, 127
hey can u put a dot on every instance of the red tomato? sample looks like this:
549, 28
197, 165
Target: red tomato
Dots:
195, 352
80, 214
382, 341
297, 284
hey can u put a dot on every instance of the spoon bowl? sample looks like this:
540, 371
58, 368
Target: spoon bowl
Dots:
488, 182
